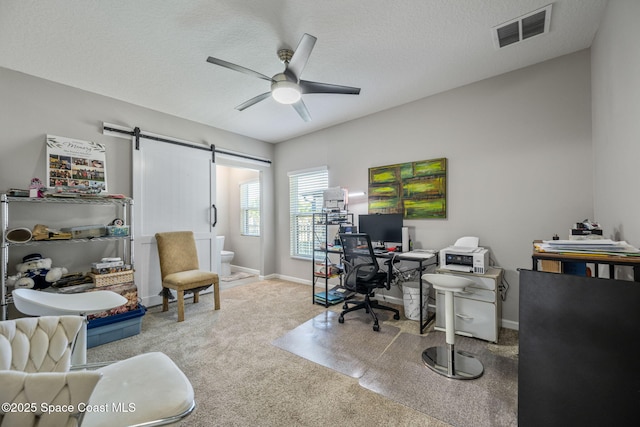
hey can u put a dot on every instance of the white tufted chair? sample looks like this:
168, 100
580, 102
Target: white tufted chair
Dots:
38, 344
35, 372
35, 357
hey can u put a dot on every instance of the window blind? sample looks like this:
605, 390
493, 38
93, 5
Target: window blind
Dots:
250, 208
305, 198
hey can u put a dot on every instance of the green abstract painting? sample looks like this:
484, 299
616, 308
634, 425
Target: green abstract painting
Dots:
417, 190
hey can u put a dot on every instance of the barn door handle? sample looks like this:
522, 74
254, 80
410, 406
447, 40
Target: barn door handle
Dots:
215, 215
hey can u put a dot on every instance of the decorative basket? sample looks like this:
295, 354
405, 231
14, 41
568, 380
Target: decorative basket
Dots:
112, 278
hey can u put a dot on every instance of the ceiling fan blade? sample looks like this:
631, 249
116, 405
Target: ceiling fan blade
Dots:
253, 101
301, 55
235, 67
315, 87
302, 110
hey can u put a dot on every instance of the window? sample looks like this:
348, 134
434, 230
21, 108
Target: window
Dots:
305, 197
250, 208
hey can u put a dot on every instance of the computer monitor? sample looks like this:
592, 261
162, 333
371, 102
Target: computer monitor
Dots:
382, 228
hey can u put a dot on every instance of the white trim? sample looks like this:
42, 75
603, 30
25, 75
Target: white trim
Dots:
390, 299
510, 324
292, 279
237, 268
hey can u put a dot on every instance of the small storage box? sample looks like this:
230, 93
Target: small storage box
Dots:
112, 328
112, 278
117, 230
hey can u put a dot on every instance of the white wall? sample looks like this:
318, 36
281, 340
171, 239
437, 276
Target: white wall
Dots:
615, 62
519, 161
31, 108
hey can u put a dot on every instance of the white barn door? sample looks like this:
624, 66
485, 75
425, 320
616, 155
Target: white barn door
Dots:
173, 190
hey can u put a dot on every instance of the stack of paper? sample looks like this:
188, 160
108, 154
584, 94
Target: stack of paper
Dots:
596, 246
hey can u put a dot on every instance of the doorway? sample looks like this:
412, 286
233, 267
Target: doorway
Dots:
246, 248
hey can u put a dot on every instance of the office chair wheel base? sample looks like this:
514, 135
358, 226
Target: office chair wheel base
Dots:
345, 306
396, 317
341, 319
376, 327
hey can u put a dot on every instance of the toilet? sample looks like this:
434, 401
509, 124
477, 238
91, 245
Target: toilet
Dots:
225, 257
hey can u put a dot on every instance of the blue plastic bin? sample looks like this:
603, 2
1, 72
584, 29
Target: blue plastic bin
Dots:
112, 328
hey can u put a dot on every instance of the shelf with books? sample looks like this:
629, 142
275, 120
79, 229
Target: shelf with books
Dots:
29, 215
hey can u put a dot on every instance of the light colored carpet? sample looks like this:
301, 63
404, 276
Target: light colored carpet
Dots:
240, 379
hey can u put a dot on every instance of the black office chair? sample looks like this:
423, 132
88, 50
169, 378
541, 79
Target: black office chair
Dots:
363, 276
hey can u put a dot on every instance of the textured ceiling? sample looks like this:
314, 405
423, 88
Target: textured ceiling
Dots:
153, 52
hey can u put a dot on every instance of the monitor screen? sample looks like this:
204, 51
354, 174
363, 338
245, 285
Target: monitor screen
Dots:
381, 227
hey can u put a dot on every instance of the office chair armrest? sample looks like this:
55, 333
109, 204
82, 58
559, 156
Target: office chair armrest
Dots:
369, 276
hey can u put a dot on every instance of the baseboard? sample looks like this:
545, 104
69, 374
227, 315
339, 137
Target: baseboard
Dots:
157, 299
154, 300
245, 270
510, 324
389, 299
292, 279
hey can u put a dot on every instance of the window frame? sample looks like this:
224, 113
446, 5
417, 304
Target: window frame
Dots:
247, 208
306, 190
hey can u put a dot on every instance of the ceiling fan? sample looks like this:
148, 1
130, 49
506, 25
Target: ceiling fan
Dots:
287, 87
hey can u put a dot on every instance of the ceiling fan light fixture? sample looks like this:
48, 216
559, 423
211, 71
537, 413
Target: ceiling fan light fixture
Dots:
286, 92
286, 87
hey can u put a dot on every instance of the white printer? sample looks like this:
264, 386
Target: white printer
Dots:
465, 256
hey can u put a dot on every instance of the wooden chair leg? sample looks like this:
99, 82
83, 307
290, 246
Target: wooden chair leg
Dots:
180, 305
196, 297
216, 295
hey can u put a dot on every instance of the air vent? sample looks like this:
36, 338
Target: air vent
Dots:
522, 28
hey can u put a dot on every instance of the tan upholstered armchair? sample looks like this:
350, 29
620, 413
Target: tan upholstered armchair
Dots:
180, 270
40, 387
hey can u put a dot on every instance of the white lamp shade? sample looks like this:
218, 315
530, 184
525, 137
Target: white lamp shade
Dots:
285, 92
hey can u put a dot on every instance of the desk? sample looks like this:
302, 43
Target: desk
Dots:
597, 259
423, 261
